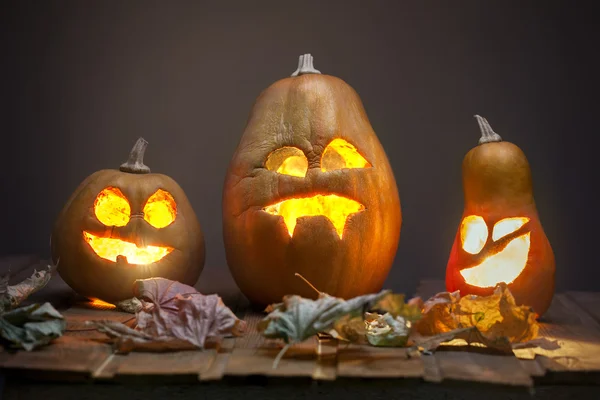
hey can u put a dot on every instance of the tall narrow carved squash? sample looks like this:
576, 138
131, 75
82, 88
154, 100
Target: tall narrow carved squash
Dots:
309, 190
500, 237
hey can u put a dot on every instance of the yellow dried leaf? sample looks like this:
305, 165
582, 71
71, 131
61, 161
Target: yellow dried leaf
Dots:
495, 316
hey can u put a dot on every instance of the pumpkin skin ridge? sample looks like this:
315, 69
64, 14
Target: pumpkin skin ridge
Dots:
276, 121
98, 281
497, 184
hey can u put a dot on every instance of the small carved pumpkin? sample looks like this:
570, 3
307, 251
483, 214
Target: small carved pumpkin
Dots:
309, 190
126, 224
500, 237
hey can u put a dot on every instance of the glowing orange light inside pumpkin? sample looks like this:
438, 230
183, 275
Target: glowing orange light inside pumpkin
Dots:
504, 266
112, 208
160, 209
110, 248
340, 154
335, 208
101, 305
288, 161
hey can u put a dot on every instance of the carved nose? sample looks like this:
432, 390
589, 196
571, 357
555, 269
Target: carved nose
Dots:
130, 232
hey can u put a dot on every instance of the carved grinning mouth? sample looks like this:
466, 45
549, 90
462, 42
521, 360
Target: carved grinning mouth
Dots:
111, 248
335, 208
504, 266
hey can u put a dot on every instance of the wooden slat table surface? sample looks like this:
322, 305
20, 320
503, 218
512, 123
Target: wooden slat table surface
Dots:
573, 323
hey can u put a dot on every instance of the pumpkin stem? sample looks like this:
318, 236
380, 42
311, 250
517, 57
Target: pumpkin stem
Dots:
305, 66
487, 133
135, 164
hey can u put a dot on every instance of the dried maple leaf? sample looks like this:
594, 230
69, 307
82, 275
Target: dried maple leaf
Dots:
170, 310
173, 309
297, 318
126, 339
497, 318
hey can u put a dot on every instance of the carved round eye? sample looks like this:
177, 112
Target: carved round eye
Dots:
473, 234
288, 161
507, 226
112, 208
340, 154
160, 209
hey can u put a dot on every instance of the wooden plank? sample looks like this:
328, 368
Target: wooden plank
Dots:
78, 353
327, 359
588, 301
68, 357
216, 369
577, 334
357, 361
254, 355
171, 365
481, 367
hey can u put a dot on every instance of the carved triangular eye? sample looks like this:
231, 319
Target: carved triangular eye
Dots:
288, 161
507, 226
340, 154
473, 234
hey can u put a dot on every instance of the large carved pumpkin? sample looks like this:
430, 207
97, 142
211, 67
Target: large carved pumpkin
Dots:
309, 190
126, 224
500, 237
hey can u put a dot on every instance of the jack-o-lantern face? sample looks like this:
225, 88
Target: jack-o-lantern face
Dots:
503, 260
309, 190
339, 154
113, 210
500, 237
123, 225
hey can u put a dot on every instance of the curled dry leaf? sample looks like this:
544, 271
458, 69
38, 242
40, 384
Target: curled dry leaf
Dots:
170, 311
387, 325
31, 326
497, 320
12, 296
386, 330
296, 318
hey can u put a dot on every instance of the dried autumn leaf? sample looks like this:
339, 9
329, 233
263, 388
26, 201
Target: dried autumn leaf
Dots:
126, 339
469, 335
394, 304
31, 326
496, 317
296, 318
392, 307
168, 311
386, 330
12, 296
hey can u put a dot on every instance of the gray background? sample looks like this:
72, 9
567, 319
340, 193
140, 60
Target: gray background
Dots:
80, 81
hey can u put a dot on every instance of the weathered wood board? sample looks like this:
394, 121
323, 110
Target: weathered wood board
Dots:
572, 326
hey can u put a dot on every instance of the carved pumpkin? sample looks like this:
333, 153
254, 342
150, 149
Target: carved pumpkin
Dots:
500, 237
126, 224
309, 190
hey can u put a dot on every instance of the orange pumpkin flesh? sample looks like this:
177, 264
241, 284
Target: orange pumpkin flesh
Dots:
309, 190
500, 237
123, 225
